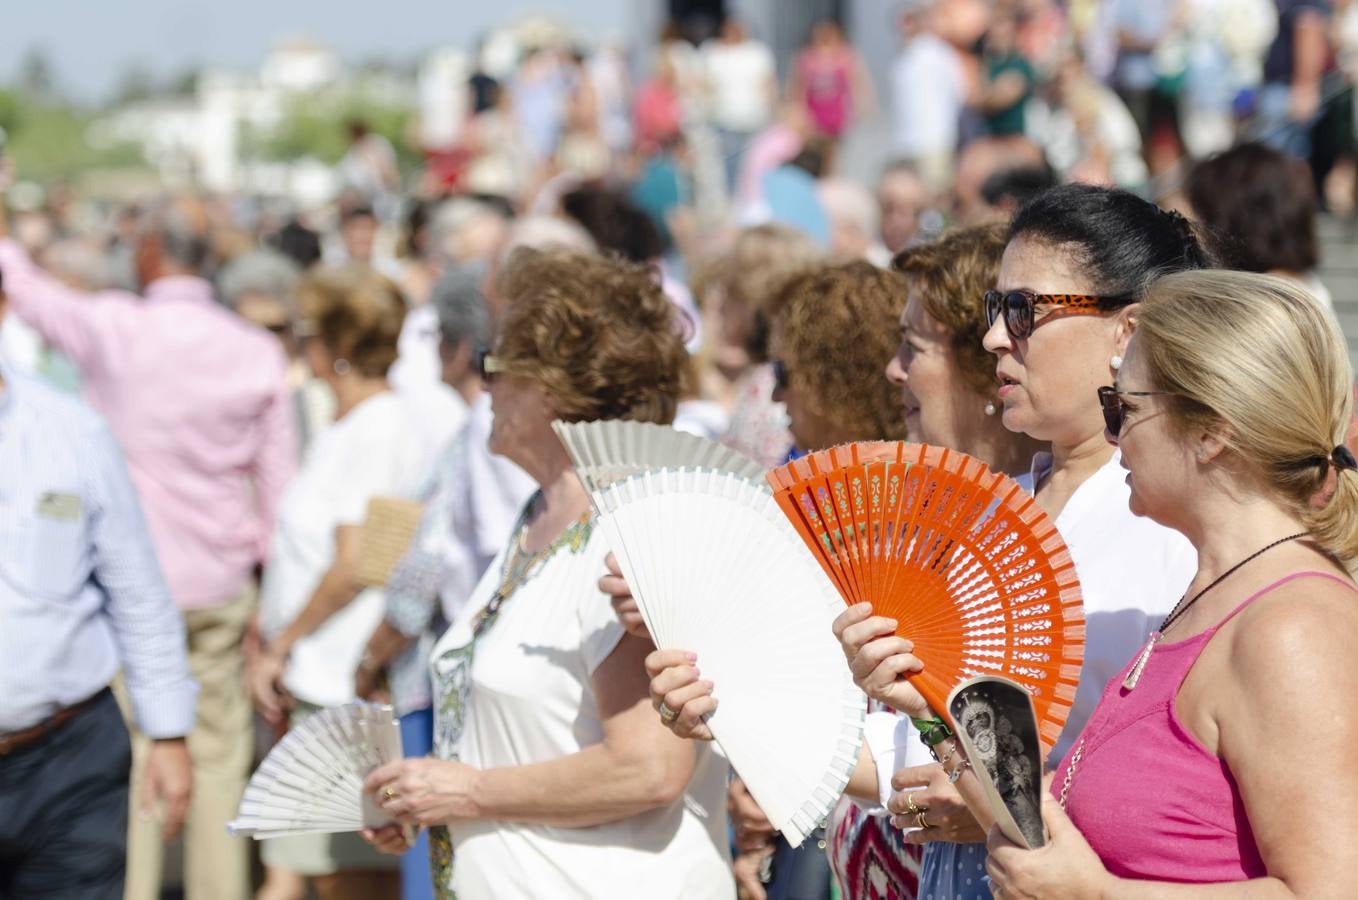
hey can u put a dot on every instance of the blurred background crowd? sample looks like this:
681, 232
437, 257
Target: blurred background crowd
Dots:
726, 145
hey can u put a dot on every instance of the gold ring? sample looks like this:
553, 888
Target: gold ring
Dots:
911, 807
921, 821
388, 794
667, 715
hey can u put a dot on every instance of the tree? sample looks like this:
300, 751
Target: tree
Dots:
184, 83
37, 75
135, 82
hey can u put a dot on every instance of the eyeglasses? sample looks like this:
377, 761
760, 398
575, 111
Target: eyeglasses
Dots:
1019, 308
489, 365
1115, 408
780, 377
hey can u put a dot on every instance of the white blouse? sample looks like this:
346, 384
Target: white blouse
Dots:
385, 447
532, 700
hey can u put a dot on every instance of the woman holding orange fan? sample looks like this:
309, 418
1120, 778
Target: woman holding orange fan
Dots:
941, 379
1230, 410
1077, 260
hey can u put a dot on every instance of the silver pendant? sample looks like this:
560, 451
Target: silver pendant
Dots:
1135, 674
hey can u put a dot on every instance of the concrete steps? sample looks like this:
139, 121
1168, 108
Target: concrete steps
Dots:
1339, 272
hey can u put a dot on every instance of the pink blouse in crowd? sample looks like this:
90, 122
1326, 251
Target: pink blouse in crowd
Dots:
1151, 800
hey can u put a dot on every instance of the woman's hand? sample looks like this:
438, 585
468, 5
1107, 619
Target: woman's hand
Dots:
682, 701
264, 676
948, 816
746, 868
392, 839
880, 661
754, 831
425, 791
1066, 868
624, 604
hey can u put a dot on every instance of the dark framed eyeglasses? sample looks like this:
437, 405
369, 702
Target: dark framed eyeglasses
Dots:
488, 365
780, 377
1115, 408
1019, 308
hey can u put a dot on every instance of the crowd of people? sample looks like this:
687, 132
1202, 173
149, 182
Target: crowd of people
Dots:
1092, 264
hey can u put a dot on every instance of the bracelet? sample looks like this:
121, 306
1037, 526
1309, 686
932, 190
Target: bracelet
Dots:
957, 772
946, 757
932, 731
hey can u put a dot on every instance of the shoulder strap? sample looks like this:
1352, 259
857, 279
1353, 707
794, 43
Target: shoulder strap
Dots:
1269, 588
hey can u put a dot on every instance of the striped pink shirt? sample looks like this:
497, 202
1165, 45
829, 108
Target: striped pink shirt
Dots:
198, 400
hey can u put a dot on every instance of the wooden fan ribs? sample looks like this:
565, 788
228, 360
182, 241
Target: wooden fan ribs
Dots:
962, 557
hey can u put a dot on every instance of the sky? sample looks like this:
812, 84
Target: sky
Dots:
91, 42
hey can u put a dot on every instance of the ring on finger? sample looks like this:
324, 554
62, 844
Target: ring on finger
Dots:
667, 715
388, 794
912, 807
922, 822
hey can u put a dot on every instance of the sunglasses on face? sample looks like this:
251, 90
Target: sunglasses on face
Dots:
488, 365
1115, 408
780, 377
1019, 308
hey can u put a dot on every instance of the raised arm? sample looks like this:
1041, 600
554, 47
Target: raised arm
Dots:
63, 315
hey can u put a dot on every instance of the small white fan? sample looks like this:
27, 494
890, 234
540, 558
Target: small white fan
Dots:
609, 451
716, 569
311, 782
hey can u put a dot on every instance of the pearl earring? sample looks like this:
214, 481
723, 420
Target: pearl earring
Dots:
1115, 362
341, 367
990, 407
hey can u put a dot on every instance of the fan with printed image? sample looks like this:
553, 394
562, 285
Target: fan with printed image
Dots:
963, 558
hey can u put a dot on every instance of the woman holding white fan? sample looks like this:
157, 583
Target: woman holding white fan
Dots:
1073, 242
940, 379
549, 769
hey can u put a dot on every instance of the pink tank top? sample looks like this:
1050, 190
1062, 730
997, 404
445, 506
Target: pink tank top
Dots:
1150, 799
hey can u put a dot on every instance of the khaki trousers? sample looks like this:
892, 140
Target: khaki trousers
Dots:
216, 865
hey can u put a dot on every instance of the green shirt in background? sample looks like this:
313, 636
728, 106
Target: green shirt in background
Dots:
1010, 120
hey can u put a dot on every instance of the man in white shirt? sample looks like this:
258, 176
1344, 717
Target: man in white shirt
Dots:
928, 91
742, 83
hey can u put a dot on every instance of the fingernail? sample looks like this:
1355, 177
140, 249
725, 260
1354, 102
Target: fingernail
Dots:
709, 685
696, 671
691, 657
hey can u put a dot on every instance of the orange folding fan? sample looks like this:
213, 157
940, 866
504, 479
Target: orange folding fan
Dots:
962, 557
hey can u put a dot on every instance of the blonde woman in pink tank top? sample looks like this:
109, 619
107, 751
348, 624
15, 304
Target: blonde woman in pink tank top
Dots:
1226, 751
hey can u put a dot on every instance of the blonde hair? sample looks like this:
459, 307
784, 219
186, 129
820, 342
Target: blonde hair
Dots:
1259, 355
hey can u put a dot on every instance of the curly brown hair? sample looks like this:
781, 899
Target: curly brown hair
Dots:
949, 276
356, 312
839, 325
598, 334
760, 264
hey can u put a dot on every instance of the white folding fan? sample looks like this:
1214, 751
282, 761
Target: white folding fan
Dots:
716, 569
608, 451
312, 780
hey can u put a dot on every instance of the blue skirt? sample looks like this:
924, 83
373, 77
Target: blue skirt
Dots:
954, 872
